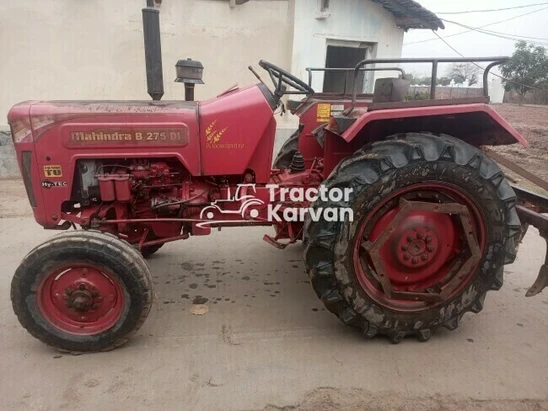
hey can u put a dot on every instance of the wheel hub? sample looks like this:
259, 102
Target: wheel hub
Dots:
419, 246
81, 299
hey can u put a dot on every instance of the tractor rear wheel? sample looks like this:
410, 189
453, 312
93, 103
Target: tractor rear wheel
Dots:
433, 224
82, 291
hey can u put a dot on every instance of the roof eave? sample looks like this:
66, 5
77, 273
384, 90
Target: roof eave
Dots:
407, 23
409, 14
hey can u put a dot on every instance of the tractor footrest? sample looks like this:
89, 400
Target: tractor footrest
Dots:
272, 241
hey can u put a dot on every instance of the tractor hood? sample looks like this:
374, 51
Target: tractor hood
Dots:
207, 136
29, 120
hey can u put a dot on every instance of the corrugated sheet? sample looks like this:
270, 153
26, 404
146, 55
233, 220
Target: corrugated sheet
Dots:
411, 15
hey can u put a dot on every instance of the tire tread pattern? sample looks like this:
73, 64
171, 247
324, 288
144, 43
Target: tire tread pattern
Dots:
362, 169
106, 244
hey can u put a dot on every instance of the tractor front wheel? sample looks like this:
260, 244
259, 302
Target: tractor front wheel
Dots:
82, 291
433, 224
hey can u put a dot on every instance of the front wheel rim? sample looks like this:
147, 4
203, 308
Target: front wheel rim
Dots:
81, 299
419, 247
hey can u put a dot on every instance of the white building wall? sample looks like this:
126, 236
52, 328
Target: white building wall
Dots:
496, 90
349, 20
93, 49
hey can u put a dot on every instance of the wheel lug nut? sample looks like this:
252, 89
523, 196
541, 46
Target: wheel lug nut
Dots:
410, 238
404, 247
415, 260
430, 248
420, 236
428, 238
425, 257
82, 286
406, 256
68, 291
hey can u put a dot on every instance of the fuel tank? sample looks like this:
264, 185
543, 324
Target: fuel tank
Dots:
237, 132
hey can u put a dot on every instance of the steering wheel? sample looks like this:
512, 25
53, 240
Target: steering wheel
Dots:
280, 77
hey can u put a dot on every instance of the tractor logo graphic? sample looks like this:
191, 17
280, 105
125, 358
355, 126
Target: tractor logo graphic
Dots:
213, 134
247, 201
214, 138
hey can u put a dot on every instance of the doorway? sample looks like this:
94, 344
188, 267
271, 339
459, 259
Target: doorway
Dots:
344, 57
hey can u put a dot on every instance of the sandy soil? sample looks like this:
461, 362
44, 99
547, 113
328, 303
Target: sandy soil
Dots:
331, 399
13, 199
268, 344
532, 123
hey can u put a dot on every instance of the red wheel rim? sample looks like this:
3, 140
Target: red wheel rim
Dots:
81, 299
419, 247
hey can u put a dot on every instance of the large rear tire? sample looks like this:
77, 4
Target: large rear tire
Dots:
82, 291
432, 215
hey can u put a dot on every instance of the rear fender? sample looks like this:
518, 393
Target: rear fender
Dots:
477, 124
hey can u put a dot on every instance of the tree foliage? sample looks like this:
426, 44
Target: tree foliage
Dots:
427, 81
527, 68
444, 81
462, 72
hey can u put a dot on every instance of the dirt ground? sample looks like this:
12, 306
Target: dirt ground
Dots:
267, 343
532, 123
13, 199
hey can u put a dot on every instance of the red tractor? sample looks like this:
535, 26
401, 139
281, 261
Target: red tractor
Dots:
406, 223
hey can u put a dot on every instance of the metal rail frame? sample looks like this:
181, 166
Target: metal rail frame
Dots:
494, 61
347, 71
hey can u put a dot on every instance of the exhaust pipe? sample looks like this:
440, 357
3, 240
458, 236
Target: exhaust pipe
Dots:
153, 51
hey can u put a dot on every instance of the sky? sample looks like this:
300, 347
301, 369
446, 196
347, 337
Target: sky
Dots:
474, 44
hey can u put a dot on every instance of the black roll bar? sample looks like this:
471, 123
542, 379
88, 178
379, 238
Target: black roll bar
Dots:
435, 62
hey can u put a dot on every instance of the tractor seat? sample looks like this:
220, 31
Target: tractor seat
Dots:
390, 90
